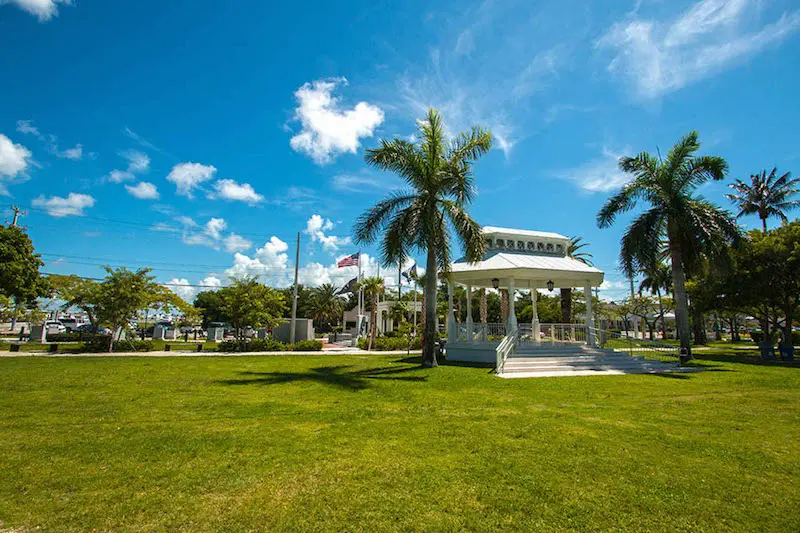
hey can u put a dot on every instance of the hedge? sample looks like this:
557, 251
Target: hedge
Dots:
393, 344
72, 336
99, 344
758, 336
270, 345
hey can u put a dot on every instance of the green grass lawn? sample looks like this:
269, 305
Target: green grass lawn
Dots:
374, 443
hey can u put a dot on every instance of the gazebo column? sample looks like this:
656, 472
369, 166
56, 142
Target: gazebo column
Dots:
452, 334
587, 292
470, 333
535, 328
512, 314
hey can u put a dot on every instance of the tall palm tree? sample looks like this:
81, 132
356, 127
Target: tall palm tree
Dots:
574, 250
766, 195
658, 277
691, 225
372, 287
325, 306
438, 173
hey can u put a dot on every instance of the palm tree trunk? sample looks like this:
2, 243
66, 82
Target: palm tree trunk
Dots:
373, 320
566, 305
679, 290
484, 307
430, 335
504, 305
661, 314
764, 224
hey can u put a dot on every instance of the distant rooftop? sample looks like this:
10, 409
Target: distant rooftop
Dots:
522, 232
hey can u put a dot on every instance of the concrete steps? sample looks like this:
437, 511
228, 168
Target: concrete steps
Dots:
552, 361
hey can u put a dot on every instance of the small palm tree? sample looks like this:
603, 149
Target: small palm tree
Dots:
574, 250
325, 306
438, 173
658, 277
372, 287
691, 225
766, 195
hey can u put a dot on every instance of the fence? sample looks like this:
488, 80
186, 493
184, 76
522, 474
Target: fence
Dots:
636, 347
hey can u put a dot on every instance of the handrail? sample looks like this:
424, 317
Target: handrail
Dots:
634, 347
504, 349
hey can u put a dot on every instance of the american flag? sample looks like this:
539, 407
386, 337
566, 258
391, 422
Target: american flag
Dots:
350, 260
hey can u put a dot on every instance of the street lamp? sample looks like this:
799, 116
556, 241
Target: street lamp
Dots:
550, 285
496, 283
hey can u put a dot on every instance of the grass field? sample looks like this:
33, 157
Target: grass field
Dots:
374, 443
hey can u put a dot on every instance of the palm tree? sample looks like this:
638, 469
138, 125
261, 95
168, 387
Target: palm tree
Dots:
372, 287
691, 225
658, 277
576, 244
438, 173
766, 196
325, 306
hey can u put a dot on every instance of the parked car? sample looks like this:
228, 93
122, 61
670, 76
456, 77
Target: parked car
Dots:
54, 327
71, 324
94, 330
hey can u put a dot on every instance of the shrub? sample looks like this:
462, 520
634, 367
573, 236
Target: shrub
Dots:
71, 336
306, 346
385, 344
99, 344
266, 345
758, 336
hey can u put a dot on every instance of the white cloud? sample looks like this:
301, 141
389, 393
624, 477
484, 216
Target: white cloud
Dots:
215, 227
236, 243
241, 192
269, 263
137, 161
327, 129
660, 57
14, 161
599, 175
187, 176
119, 176
316, 227
27, 127
44, 10
143, 190
188, 291
72, 153
73, 204
315, 274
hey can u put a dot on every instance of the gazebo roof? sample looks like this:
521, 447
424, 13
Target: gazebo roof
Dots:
528, 257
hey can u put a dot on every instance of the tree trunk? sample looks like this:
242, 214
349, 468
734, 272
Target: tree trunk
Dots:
484, 307
699, 328
430, 335
373, 320
566, 305
718, 329
504, 305
764, 224
681, 303
661, 314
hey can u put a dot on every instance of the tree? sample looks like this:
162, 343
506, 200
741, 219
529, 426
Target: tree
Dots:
574, 250
766, 195
325, 307
692, 226
19, 269
121, 295
209, 304
248, 303
658, 277
372, 287
77, 292
438, 173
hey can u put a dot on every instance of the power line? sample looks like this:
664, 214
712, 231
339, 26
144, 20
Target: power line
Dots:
135, 261
163, 284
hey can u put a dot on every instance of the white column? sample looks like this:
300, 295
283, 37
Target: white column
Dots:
535, 328
470, 336
512, 314
587, 292
452, 335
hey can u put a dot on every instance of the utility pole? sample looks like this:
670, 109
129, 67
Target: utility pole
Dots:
293, 325
17, 213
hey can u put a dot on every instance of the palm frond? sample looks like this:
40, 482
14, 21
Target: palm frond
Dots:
641, 242
623, 201
372, 221
398, 156
467, 230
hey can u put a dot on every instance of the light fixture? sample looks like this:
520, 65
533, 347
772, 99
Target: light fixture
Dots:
496, 283
550, 285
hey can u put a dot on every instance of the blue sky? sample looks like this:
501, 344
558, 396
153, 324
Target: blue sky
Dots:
198, 137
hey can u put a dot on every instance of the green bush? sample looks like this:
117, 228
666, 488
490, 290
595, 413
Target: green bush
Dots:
306, 346
99, 344
386, 344
266, 345
758, 336
71, 336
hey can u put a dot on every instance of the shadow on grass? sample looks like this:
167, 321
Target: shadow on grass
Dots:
337, 376
744, 359
417, 360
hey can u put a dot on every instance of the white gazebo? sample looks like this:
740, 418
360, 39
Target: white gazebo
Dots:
518, 260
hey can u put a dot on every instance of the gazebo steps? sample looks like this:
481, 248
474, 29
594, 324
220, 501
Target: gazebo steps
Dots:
581, 362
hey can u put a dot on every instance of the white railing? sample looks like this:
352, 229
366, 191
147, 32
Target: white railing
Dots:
492, 332
644, 348
563, 333
504, 349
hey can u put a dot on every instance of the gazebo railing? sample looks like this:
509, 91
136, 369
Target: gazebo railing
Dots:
491, 332
505, 349
561, 333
